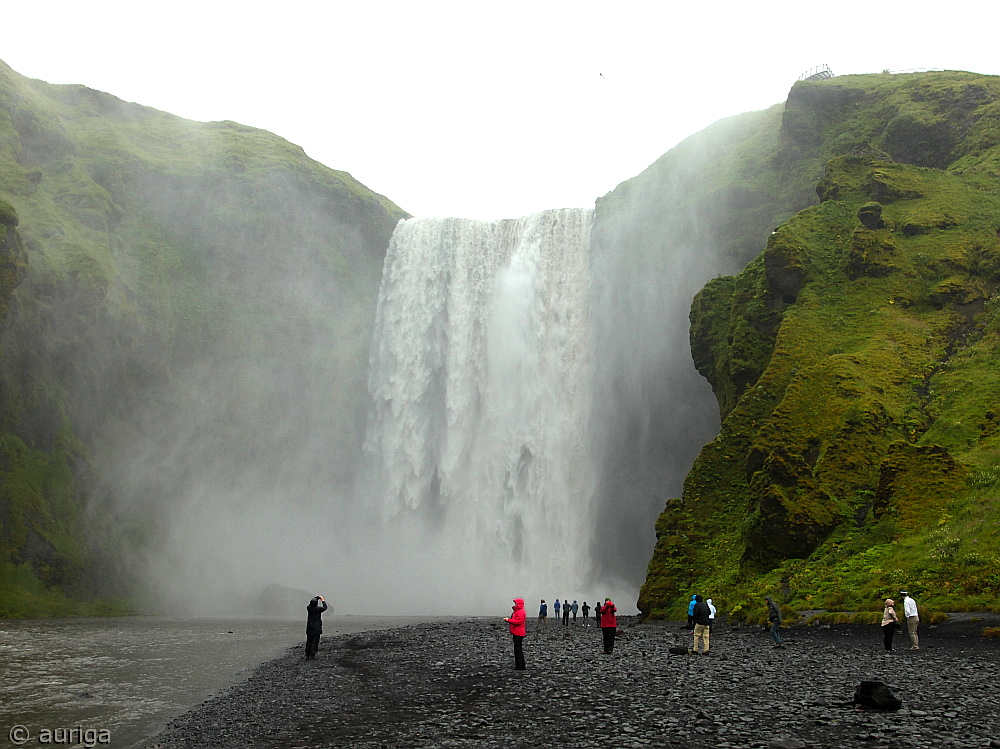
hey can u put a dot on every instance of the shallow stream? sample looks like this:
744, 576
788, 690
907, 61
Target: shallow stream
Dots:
117, 681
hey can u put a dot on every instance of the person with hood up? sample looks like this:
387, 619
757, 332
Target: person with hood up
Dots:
314, 625
517, 631
691, 604
702, 621
774, 616
609, 625
711, 613
889, 623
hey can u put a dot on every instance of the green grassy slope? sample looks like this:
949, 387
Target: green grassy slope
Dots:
855, 366
137, 248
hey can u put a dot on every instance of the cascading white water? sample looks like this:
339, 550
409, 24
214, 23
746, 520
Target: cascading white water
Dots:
480, 381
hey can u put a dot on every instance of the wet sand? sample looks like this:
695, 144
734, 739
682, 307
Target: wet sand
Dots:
451, 684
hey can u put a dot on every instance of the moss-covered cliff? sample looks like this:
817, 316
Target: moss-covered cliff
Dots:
855, 365
153, 269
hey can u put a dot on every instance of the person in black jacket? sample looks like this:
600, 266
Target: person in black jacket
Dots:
702, 617
314, 625
774, 616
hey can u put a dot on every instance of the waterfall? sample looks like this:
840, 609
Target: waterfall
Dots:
480, 383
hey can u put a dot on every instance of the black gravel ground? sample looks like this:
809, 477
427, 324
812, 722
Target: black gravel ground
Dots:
451, 684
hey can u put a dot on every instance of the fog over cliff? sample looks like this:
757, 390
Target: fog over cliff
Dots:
530, 406
266, 388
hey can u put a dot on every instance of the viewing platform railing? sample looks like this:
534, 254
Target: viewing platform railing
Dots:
819, 73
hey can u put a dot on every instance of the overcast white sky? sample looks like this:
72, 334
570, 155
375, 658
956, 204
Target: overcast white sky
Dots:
481, 109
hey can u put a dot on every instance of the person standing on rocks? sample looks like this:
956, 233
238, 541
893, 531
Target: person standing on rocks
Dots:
314, 625
912, 619
702, 622
543, 614
774, 616
889, 623
556, 607
565, 612
586, 612
691, 604
516, 622
575, 608
609, 625
711, 613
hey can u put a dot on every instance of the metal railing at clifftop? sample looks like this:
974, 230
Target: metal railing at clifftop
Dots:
819, 73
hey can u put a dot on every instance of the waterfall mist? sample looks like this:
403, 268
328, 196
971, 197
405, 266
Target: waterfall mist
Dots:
658, 239
530, 406
498, 409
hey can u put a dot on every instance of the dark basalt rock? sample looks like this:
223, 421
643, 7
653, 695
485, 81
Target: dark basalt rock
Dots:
870, 215
452, 684
876, 694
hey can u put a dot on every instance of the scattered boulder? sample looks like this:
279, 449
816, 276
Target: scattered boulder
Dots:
876, 695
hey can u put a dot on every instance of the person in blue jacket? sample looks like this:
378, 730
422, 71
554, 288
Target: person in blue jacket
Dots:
691, 605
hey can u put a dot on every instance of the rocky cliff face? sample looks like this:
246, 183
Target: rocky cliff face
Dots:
854, 362
168, 283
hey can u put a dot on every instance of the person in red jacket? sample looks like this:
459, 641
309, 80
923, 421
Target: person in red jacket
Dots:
517, 631
609, 625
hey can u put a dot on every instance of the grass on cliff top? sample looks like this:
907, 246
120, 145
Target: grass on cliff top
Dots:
904, 114
79, 120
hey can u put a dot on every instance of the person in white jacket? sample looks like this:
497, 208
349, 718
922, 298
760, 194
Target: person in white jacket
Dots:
912, 619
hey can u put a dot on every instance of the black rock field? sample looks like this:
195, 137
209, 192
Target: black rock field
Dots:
452, 684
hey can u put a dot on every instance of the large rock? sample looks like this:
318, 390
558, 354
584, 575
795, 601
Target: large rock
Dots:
876, 695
